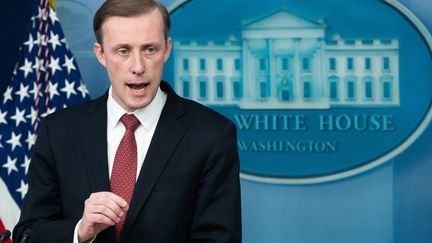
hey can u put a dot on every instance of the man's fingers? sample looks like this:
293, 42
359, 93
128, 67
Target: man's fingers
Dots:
101, 210
101, 219
101, 202
108, 196
104, 208
107, 212
120, 201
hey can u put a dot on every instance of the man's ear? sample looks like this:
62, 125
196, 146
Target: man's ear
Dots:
100, 55
168, 48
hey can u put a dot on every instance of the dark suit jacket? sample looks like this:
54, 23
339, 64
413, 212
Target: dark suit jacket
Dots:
187, 191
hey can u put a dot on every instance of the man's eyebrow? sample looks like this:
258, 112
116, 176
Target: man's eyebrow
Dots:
118, 46
151, 44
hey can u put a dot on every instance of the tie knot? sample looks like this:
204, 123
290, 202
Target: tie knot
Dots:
130, 121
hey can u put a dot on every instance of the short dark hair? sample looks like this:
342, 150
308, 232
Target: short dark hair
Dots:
128, 8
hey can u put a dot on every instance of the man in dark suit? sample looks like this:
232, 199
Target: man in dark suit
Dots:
181, 156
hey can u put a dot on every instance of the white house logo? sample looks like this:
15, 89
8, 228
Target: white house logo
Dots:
315, 96
284, 61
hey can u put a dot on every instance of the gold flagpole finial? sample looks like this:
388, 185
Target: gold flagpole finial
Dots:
52, 3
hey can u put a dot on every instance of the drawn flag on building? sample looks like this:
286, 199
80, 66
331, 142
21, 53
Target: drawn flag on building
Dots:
45, 79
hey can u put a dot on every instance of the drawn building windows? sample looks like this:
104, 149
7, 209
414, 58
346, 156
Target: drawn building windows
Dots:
186, 88
387, 87
286, 89
286, 94
264, 90
307, 87
284, 64
332, 64
237, 65
237, 88
350, 64
368, 87
219, 64
334, 88
306, 64
185, 81
368, 64
185, 64
386, 64
202, 65
262, 64
202, 87
220, 87
350, 84
262, 77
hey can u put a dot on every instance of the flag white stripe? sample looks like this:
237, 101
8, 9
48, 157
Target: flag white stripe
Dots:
9, 210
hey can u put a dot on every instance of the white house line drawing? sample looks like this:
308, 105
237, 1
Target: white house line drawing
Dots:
284, 61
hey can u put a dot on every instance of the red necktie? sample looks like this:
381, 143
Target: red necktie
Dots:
125, 163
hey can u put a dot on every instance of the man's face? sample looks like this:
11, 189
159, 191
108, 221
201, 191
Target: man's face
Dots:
134, 51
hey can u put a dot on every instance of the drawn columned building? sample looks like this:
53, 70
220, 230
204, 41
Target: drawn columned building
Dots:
283, 61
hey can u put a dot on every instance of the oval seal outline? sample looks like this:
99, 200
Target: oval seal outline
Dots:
422, 126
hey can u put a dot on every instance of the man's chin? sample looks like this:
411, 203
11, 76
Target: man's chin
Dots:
138, 103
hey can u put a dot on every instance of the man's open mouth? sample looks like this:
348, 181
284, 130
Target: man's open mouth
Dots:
138, 86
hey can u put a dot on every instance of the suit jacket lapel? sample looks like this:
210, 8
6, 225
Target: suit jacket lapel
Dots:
93, 133
167, 135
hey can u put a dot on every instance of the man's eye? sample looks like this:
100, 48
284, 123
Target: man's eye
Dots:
123, 52
151, 50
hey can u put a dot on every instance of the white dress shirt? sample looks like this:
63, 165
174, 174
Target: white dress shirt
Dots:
148, 117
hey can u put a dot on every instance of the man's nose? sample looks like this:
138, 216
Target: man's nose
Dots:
138, 64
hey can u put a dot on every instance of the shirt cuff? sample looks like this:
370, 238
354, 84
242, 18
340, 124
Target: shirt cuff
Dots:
75, 238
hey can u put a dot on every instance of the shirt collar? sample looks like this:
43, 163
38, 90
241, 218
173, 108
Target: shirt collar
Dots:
148, 116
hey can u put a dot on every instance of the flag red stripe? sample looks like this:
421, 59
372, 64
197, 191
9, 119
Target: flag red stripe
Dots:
2, 228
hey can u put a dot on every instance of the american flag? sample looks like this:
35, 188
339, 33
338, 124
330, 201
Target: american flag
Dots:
45, 79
